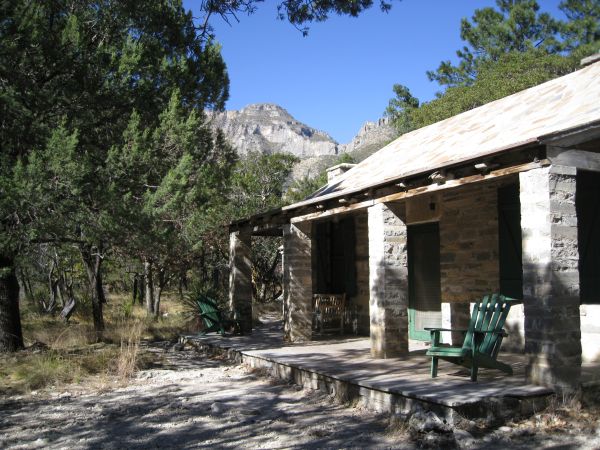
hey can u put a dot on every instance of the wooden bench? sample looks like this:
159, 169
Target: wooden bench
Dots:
329, 312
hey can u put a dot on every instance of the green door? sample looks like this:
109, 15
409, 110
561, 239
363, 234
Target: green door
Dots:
424, 280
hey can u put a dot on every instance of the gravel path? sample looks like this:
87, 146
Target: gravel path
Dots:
191, 401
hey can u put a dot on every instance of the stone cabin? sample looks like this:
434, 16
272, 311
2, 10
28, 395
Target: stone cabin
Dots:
502, 198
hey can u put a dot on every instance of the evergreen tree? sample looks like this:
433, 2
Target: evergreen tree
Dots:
516, 25
72, 74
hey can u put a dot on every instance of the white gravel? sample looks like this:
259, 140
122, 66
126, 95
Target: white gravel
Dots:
192, 401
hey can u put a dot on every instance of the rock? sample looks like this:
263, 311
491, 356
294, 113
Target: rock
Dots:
438, 440
320, 432
371, 137
424, 422
505, 429
463, 438
217, 408
178, 347
249, 412
269, 128
42, 443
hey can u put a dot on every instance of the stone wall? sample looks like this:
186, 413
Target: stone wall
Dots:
469, 242
388, 281
589, 316
361, 300
590, 332
240, 277
550, 276
297, 309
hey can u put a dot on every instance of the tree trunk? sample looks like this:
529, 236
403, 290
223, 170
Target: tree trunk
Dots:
134, 295
52, 284
93, 264
141, 290
158, 291
25, 292
148, 286
101, 295
11, 335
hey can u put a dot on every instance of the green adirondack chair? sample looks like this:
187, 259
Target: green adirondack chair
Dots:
482, 340
212, 317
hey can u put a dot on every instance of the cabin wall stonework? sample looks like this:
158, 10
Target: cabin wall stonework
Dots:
469, 243
297, 273
388, 282
240, 277
361, 299
550, 276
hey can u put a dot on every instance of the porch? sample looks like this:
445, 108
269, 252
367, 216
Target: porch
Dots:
344, 367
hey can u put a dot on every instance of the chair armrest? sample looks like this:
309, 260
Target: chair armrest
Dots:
502, 333
462, 330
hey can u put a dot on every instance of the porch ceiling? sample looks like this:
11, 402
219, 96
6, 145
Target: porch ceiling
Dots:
525, 118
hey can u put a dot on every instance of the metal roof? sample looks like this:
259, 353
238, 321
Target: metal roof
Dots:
523, 118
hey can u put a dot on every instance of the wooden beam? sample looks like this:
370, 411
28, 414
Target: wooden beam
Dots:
580, 159
422, 190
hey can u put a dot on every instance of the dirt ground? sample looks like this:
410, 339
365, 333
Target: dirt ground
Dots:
192, 401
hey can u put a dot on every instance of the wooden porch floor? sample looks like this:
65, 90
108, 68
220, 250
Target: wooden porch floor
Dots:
397, 385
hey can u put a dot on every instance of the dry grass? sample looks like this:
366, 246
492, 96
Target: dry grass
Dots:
59, 353
128, 355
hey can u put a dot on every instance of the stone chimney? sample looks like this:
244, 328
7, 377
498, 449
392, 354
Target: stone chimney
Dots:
334, 172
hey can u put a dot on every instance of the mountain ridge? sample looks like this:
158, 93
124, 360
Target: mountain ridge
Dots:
269, 128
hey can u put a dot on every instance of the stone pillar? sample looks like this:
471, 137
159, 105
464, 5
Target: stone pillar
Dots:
240, 277
298, 285
388, 282
550, 276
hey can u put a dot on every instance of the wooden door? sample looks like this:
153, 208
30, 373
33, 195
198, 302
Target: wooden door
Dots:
587, 202
509, 241
424, 282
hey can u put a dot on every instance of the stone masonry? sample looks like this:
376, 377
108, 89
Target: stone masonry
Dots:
362, 273
297, 273
468, 250
388, 282
240, 278
550, 276
469, 243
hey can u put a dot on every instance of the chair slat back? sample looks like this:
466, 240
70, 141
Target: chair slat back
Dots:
488, 317
330, 306
210, 311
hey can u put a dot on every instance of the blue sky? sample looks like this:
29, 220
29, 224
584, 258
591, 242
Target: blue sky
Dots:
342, 73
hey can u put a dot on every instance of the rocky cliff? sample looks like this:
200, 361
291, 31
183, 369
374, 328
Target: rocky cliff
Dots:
269, 128
370, 138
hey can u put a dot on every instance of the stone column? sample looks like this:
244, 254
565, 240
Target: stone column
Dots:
388, 282
240, 277
298, 286
550, 276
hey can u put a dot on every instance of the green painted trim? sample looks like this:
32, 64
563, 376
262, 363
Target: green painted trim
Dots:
417, 335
